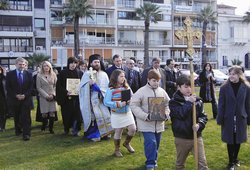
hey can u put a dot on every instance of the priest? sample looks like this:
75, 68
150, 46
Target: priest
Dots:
96, 116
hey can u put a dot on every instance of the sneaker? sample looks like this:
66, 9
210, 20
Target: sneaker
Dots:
230, 166
95, 139
237, 163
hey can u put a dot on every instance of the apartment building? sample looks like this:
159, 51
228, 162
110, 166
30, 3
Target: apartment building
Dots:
181, 9
24, 29
39, 26
233, 37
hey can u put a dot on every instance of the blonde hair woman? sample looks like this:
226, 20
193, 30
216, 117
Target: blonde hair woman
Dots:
234, 113
46, 86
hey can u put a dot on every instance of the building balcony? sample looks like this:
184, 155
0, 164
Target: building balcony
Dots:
139, 24
126, 4
7, 48
141, 43
20, 7
100, 21
239, 41
102, 3
16, 28
91, 40
56, 21
55, 3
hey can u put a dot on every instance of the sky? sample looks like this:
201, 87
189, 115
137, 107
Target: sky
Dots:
242, 5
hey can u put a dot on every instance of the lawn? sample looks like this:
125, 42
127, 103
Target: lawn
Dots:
45, 151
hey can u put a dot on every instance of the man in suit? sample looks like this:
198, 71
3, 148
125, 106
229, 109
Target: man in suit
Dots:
19, 85
117, 64
133, 77
171, 77
156, 66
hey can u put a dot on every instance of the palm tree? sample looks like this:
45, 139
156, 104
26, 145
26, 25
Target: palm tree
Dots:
206, 16
77, 9
236, 62
246, 18
35, 59
149, 13
4, 4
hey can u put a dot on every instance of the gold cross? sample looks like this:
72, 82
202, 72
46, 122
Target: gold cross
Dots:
189, 34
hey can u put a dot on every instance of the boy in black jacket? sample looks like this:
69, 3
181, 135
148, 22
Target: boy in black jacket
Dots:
182, 124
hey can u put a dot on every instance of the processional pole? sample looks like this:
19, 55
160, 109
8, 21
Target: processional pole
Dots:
189, 34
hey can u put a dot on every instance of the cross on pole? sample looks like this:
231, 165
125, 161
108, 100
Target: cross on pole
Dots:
190, 34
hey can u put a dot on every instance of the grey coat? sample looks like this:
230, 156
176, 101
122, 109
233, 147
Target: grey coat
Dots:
230, 105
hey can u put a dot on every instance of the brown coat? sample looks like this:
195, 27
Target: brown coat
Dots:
46, 86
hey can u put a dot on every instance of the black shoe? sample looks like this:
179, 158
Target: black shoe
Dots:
26, 138
237, 163
66, 132
18, 133
51, 132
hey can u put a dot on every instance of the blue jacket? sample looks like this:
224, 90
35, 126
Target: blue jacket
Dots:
182, 119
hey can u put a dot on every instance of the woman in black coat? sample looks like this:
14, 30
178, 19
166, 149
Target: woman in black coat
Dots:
3, 103
207, 92
234, 112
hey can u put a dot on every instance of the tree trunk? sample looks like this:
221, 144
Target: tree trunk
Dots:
204, 51
146, 44
76, 37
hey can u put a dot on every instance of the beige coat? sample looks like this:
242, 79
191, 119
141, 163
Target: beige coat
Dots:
139, 106
46, 85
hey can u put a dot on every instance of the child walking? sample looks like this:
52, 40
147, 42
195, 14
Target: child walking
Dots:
182, 123
151, 129
121, 115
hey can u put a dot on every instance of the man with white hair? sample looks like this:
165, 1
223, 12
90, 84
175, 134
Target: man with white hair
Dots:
19, 85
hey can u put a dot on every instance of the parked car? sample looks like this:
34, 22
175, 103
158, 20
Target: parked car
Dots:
247, 74
187, 72
220, 77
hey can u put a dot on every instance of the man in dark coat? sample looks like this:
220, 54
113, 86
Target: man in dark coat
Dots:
155, 65
170, 78
117, 64
69, 103
133, 77
19, 85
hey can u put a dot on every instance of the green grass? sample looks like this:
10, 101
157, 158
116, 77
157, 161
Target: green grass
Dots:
46, 151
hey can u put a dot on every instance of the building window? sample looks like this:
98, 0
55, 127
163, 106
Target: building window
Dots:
126, 15
231, 32
40, 43
156, 1
225, 61
39, 4
40, 23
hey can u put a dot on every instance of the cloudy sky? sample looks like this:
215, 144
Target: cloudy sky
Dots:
242, 5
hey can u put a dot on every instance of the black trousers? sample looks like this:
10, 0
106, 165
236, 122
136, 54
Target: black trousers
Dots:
22, 119
71, 114
233, 150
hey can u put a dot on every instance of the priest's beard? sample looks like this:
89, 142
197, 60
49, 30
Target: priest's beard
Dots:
96, 67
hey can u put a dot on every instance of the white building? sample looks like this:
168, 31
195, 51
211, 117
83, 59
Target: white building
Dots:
24, 29
233, 37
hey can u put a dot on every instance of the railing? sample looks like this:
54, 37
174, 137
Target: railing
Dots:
126, 4
20, 7
100, 21
141, 43
56, 2
16, 28
16, 48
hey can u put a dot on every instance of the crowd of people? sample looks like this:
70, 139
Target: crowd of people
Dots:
105, 101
